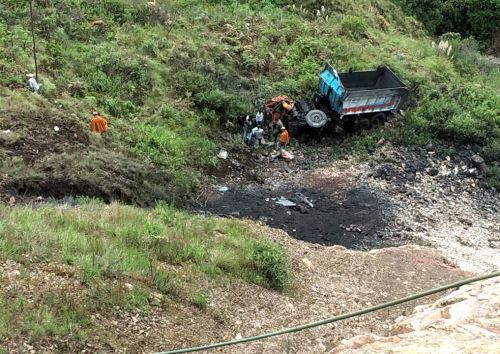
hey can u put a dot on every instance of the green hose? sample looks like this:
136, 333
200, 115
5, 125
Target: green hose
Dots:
336, 318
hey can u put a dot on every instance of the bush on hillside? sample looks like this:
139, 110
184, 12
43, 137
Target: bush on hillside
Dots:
466, 56
461, 114
271, 261
354, 26
478, 18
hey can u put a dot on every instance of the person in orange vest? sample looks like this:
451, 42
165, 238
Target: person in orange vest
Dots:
98, 124
283, 138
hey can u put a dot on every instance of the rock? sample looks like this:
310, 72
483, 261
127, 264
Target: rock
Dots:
157, 296
307, 263
478, 162
432, 171
223, 154
13, 274
465, 221
429, 147
98, 23
465, 321
128, 286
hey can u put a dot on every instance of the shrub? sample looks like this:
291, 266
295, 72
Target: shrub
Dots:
354, 26
461, 114
493, 177
200, 300
271, 261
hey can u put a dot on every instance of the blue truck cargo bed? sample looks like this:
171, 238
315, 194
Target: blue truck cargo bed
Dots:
362, 92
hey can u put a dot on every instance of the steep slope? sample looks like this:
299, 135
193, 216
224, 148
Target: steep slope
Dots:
166, 74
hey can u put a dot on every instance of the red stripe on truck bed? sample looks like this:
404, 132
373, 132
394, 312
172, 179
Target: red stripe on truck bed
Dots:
367, 108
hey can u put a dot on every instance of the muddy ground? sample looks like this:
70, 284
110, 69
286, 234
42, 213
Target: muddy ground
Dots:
433, 196
354, 220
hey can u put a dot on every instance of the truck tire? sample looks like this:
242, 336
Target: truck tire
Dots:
316, 118
362, 123
378, 119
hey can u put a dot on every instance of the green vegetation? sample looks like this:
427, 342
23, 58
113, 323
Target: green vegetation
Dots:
477, 18
271, 262
112, 245
167, 75
200, 300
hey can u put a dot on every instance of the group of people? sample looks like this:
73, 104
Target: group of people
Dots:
254, 132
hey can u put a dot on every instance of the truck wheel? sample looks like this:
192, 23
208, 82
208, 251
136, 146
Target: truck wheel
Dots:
316, 118
362, 124
378, 120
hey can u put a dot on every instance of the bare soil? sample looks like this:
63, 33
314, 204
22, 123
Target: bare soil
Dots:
41, 133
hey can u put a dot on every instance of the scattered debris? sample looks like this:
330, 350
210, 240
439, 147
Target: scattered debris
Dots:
478, 162
285, 202
381, 141
6, 131
304, 199
275, 154
222, 189
432, 171
56, 128
286, 155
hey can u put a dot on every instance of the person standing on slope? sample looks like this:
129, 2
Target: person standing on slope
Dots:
283, 138
98, 124
34, 86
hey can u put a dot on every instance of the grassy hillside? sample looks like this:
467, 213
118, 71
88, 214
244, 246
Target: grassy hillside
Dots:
121, 259
167, 75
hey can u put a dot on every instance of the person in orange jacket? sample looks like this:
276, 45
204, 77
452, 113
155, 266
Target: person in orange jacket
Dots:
98, 124
283, 138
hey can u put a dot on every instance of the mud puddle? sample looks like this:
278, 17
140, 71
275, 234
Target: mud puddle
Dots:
355, 220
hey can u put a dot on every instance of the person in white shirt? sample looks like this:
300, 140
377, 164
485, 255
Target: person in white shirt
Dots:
259, 118
257, 137
34, 86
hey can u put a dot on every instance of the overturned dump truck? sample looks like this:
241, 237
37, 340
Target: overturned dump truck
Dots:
350, 101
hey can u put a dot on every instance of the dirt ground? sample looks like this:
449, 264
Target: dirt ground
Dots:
36, 134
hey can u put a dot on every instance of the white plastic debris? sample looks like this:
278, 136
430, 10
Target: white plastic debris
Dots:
222, 189
6, 131
56, 128
285, 202
223, 154
304, 199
